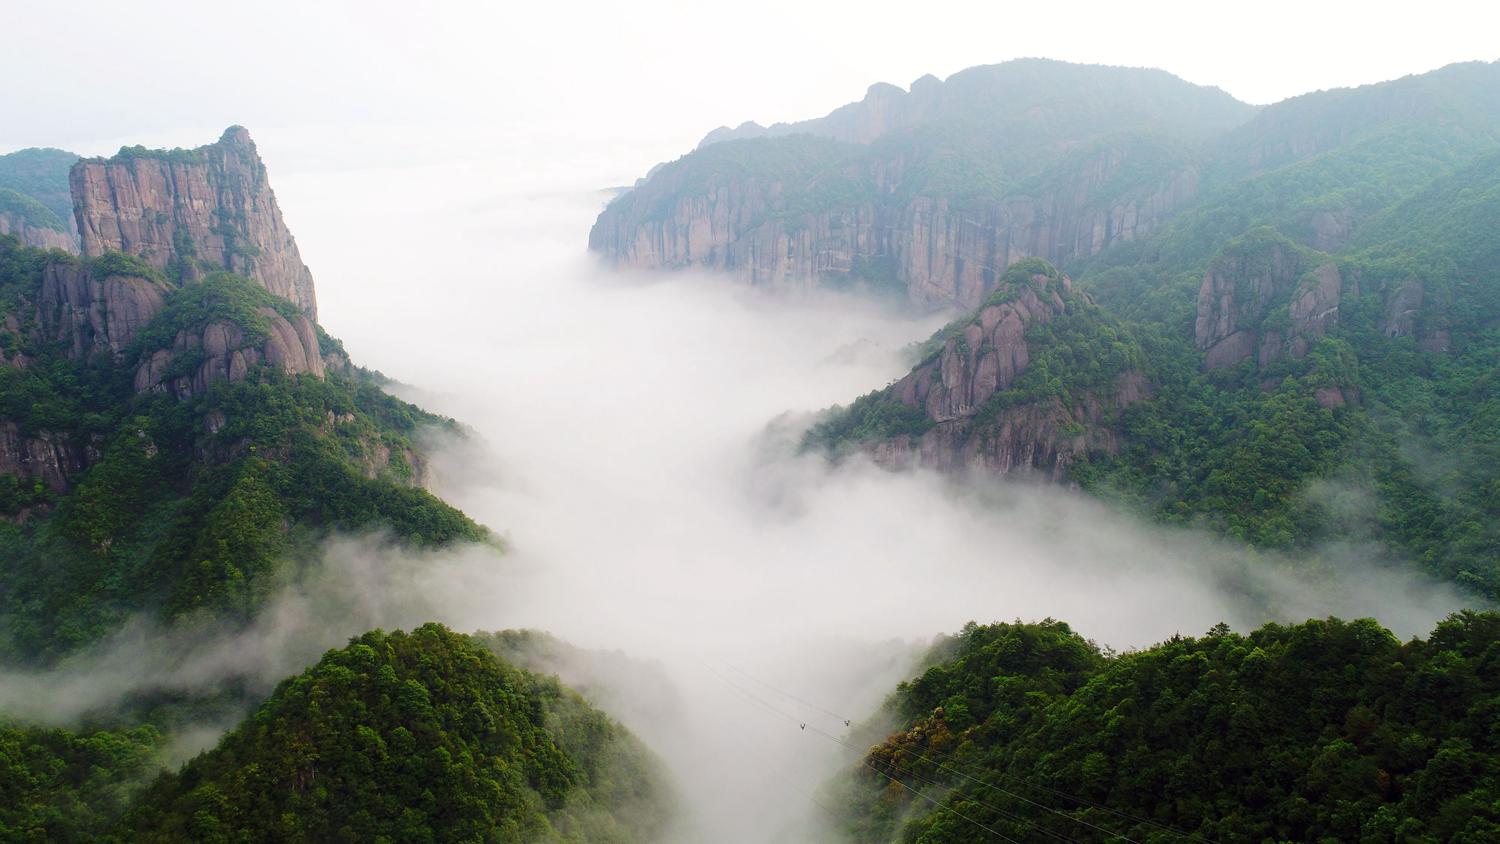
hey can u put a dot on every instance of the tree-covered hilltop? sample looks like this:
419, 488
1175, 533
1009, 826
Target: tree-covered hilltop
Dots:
1323, 731
180, 448
425, 736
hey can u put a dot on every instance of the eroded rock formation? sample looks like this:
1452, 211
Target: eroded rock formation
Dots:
940, 252
188, 212
95, 314
955, 389
1251, 284
226, 351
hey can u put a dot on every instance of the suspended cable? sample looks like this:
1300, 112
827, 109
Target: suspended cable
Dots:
864, 761
1056, 792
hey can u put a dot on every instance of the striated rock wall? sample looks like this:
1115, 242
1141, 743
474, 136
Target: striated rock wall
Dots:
192, 211
940, 253
47, 457
225, 351
1041, 439
95, 315
1247, 285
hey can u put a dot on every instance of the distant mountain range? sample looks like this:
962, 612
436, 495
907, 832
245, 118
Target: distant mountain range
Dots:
1278, 323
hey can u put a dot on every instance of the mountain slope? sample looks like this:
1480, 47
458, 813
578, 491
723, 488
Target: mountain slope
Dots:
178, 443
930, 195
1310, 344
60, 785
1320, 731
35, 203
412, 737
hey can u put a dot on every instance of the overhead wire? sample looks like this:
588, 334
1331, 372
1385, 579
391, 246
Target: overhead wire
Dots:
865, 761
1004, 775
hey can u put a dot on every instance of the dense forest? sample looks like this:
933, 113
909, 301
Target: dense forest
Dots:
1322, 731
420, 736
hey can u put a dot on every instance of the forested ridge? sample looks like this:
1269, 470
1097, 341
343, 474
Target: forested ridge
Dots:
420, 736
1322, 731
1317, 334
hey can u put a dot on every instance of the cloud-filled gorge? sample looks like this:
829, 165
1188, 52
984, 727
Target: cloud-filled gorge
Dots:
632, 442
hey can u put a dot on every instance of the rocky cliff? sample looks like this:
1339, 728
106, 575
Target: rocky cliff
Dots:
969, 404
95, 313
931, 192
937, 251
191, 212
226, 351
1265, 297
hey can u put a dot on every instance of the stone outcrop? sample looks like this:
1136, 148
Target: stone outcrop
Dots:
953, 387
1253, 281
95, 315
39, 237
44, 456
942, 254
191, 211
1040, 439
225, 351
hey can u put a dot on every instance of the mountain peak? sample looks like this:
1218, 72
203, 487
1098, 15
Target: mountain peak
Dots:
236, 135
189, 213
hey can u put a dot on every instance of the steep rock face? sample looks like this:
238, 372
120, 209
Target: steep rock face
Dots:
47, 457
954, 389
40, 237
1250, 282
95, 315
1042, 438
191, 212
1409, 311
934, 191
982, 359
940, 253
224, 351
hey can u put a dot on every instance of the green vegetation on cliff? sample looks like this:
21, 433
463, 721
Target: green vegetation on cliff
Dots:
203, 504
1333, 385
29, 211
1323, 731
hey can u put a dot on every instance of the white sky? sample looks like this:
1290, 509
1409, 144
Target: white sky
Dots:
85, 75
